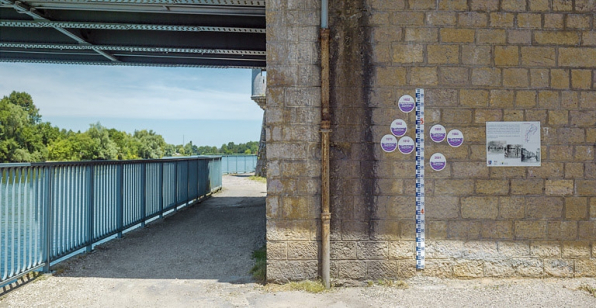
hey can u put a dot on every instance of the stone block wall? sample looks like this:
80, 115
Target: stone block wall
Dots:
478, 61
293, 139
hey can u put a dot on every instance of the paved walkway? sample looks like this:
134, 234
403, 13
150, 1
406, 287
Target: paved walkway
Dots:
201, 258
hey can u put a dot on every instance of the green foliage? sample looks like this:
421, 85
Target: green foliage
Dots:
305, 285
189, 149
259, 179
259, 270
251, 147
20, 138
25, 138
588, 288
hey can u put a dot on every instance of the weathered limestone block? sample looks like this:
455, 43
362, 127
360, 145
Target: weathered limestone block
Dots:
284, 271
562, 230
457, 35
538, 56
497, 230
381, 269
529, 267
554, 21
576, 250
484, 5
443, 54
576, 208
473, 98
514, 249
442, 207
385, 230
402, 250
464, 230
480, 250
585, 268
354, 230
468, 269
480, 207
539, 5
587, 230
436, 229
530, 229
343, 250
544, 207
491, 36
303, 250
372, 250
527, 186
355, 270
439, 268
277, 250
559, 187
501, 268
557, 37
444, 249
544, 249
406, 268
577, 57
511, 207
288, 230
559, 267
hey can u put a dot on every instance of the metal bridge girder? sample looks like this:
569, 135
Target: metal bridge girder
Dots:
227, 33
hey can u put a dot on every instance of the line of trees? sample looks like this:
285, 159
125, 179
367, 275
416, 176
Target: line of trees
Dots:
24, 137
251, 147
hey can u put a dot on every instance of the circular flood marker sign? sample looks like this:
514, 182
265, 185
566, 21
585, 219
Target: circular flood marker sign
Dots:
399, 127
405, 145
438, 133
389, 143
406, 103
438, 162
455, 138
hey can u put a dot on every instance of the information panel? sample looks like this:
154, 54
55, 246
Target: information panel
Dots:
513, 144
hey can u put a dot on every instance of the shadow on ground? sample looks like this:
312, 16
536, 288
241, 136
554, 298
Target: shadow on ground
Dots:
212, 240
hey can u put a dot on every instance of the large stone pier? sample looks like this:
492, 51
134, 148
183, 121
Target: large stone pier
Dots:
479, 61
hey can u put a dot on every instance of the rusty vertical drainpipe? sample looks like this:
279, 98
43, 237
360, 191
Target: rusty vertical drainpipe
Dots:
325, 132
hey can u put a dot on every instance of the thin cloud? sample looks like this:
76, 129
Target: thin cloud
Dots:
139, 93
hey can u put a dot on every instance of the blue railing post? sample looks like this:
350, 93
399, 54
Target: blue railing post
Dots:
161, 175
176, 186
48, 220
187, 181
144, 196
120, 202
90, 209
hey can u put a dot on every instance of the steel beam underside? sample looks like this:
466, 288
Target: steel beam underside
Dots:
161, 38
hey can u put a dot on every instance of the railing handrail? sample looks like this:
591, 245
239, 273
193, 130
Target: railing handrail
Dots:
105, 162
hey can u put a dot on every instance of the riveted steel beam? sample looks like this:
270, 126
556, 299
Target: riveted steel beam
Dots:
214, 7
180, 33
105, 63
118, 26
21, 7
132, 48
163, 2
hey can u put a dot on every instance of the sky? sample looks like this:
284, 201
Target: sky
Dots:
205, 106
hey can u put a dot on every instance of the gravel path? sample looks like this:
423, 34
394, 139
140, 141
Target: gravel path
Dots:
201, 258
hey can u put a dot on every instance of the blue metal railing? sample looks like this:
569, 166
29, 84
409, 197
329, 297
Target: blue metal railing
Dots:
51, 210
234, 164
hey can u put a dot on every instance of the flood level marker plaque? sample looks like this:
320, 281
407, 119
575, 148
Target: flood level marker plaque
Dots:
420, 221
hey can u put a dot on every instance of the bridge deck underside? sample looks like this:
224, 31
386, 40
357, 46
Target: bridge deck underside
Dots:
203, 33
